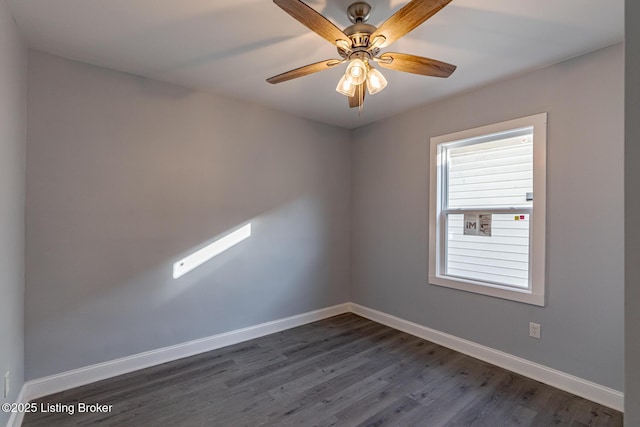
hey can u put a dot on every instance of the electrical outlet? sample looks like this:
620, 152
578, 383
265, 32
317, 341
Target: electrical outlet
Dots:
534, 330
6, 384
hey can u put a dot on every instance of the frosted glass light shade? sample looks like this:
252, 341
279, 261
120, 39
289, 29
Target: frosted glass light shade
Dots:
356, 72
375, 81
346, 88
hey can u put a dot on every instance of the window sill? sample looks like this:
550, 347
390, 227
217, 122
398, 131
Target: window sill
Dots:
496, 291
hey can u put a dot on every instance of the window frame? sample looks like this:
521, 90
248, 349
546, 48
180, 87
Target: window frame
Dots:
535, 293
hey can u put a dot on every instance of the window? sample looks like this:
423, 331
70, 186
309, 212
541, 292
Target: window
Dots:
487, 210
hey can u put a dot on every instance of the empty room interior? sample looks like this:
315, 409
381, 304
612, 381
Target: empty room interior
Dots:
198, 227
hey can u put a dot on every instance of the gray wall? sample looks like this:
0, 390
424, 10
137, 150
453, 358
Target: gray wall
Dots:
582, 324
126, 175
13, 67
632, 213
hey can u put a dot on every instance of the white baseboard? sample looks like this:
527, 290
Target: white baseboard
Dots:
595, 392
89, 374
15, 420
66, 380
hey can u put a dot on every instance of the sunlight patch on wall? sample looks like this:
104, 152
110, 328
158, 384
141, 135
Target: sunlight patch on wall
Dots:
203, 255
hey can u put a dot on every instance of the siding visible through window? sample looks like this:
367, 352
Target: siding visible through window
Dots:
493, 174
501, 258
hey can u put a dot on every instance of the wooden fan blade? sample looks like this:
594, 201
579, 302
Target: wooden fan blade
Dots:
312, 20
406, 19
303, 71
358, 98
416, 65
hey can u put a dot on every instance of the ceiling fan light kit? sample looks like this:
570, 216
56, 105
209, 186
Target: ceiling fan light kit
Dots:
345, 87
356, 71
375, 81
360, 44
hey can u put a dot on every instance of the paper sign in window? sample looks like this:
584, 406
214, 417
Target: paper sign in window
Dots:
477, 225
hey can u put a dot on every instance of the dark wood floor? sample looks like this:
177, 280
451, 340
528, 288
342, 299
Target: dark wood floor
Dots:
342, 371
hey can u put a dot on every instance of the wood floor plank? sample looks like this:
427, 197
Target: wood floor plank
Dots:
292, 389
407, 367
494, 406
375, 402
392, 414
341, 371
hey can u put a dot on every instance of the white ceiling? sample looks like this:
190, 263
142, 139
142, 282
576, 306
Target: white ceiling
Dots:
230, 47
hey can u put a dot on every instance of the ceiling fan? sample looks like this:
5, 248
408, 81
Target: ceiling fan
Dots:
360, 45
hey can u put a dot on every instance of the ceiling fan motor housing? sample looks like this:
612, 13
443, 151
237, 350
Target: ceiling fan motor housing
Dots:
360, 36
360, 32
